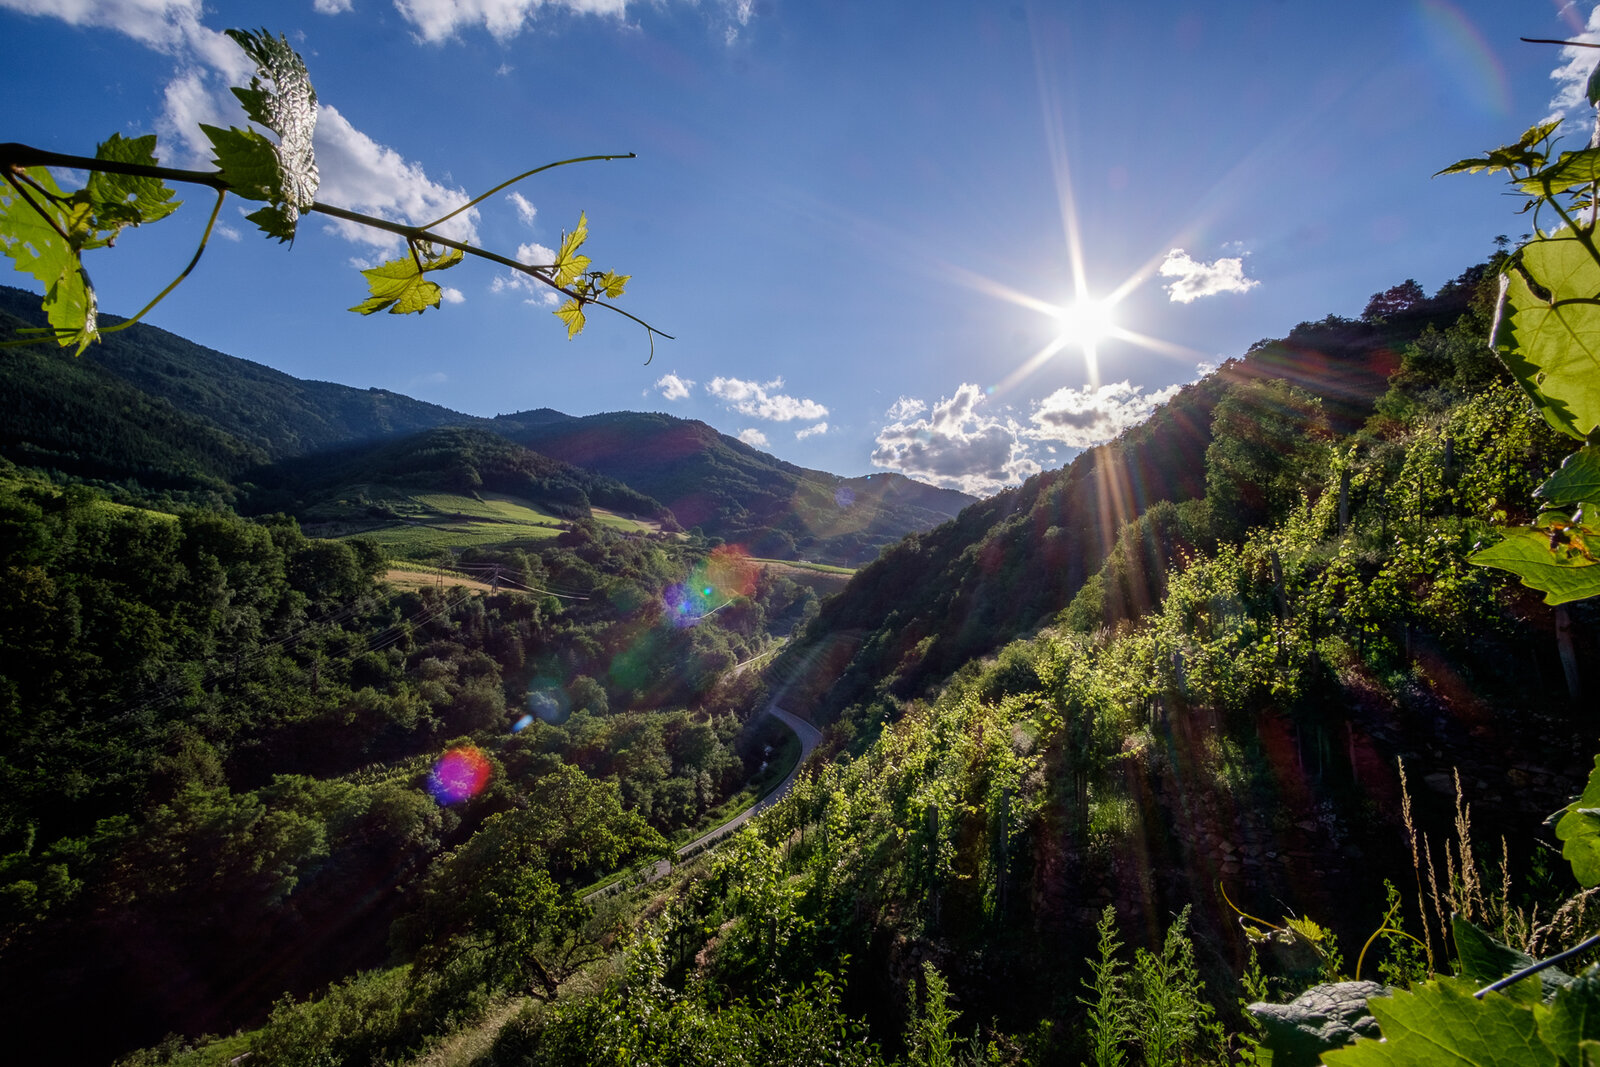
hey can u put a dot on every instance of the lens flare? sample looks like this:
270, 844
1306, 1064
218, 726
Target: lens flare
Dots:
522, 724
461, 773
727, 573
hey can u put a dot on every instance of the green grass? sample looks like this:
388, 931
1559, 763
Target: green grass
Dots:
431, 522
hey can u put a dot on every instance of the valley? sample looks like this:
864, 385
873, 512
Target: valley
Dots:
437, 748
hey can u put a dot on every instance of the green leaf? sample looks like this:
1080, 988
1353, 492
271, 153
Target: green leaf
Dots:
1484, 960
1579, 831
248, 162
400, 288
569, 265
1570, 170
1552, 343
38, 249
613, 283
571, 313
1560, 572
123, 199
1523, 154
1578, 480
1593, 89
1440, 1024
1572, 1019
289, 109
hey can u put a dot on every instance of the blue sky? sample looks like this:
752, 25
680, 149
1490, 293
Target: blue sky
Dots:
854, 216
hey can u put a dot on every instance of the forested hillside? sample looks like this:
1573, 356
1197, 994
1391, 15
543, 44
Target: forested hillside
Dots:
1234, 664
732, 491
220, 748
148, 414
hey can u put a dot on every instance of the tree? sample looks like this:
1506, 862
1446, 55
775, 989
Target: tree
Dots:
46, 230
1403, 297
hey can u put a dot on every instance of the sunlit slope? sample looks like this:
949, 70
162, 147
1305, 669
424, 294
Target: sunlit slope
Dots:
446, 488
1011, 562
733, 491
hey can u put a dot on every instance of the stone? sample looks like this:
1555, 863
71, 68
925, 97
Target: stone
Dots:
1324, 1017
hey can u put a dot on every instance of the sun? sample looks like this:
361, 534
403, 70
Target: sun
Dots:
1085, 322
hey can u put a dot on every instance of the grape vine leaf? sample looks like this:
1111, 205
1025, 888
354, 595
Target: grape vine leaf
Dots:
1508, 157
1552, 344
124, 200
38, 245
1562, 572
1573, 1020
1579, 831
1439, 1024
283, 174
613, 283
1572, 169
1484, 960
399, 286
1578, 480
569, 265
571, 313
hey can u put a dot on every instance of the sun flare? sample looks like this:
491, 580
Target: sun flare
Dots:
1085, 322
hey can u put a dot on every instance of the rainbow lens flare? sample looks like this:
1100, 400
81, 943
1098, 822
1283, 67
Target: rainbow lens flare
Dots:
726, 574
461, 773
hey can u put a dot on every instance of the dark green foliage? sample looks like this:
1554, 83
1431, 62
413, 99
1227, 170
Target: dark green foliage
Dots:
733, 492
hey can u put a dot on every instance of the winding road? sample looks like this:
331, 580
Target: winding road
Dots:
809, 737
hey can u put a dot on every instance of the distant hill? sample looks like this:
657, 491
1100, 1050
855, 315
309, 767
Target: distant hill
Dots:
450, 459
275, 413
735, 492
148, 409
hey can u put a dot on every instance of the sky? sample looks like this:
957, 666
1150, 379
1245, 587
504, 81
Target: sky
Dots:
879, 232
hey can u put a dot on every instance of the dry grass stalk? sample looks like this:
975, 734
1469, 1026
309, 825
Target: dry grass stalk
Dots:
1416, 860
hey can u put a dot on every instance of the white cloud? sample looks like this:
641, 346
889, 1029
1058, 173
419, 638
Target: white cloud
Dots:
533, 292
452, 296
673, 387
332, 7
439, 20
525, 211
753, 437
226, 232
754, 399
1196, 279
356, 171
1083, 418
811, 431
1572, 76
161, 24
905, 408
362, 175
957, 445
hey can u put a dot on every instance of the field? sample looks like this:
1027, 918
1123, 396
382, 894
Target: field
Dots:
425, 524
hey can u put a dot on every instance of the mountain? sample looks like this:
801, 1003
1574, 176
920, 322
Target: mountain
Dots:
276, 413
1012, 562
149, 408
452, 459
732, 491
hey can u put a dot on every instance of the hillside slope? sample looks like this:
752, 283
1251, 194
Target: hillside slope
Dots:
1010, 563
735, 492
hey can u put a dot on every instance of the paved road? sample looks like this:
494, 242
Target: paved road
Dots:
809, 737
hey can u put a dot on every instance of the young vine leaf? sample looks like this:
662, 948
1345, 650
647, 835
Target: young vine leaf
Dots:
283, 174
1441, 1024
1552, 343
46, 230
36, 228
399, 286
569, 265
1553, 558
1579, 831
